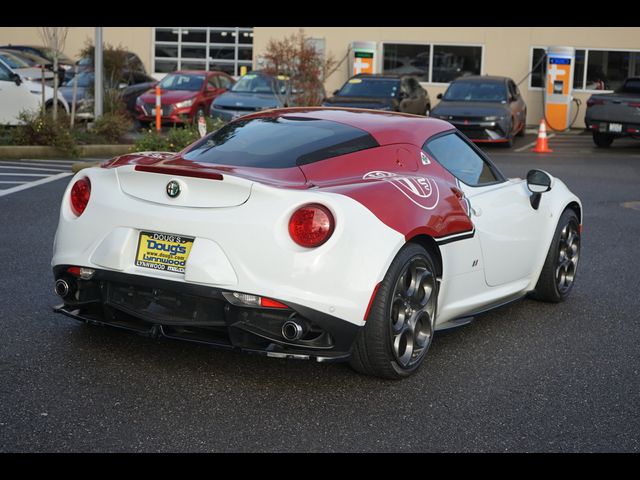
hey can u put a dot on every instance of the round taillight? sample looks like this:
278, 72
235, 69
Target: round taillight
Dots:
80, 193
312, 225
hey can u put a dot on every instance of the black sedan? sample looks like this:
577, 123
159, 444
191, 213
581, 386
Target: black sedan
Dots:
485, 108
382, 92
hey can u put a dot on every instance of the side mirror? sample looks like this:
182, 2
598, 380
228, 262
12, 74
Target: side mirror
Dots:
336, 92
538, 182
439, 96
16, 78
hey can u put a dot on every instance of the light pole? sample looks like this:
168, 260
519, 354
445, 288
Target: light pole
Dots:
97, 86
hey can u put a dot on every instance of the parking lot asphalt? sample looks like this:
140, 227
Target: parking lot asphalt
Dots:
528, 377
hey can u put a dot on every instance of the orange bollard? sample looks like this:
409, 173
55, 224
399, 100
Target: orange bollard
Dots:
158, 109
542, 145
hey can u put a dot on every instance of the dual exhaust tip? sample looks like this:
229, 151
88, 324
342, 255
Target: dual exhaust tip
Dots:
64, 287
292, 330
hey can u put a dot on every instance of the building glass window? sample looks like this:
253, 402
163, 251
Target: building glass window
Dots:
203, 48
453, 61
448, 63
606, 69
407, 59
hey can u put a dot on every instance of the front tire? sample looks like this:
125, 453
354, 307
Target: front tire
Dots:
602, 140
559, 270
400, 325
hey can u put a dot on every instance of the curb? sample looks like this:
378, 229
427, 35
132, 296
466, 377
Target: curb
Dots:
45, 151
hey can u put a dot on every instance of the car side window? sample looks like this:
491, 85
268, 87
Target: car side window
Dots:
214, 82
224, 81
513, 90
461, 160
5, 74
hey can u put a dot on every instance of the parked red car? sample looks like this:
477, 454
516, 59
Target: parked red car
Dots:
185, 96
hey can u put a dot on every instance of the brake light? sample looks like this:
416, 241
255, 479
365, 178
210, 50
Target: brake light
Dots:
80, 193
636, 105
311, 226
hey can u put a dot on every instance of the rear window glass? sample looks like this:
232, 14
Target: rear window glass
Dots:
279, 142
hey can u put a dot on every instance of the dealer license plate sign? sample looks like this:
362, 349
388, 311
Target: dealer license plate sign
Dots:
162, 251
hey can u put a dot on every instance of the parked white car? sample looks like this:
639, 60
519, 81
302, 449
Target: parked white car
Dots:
17, 95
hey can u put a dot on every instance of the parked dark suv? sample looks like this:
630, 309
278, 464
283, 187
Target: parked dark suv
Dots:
485, 108
397, 93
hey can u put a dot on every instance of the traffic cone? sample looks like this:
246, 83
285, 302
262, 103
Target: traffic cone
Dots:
541, 144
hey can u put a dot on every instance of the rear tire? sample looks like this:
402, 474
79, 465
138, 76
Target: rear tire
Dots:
399, 329
559, 270
602, 140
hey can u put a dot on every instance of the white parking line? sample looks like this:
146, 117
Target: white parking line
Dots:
6, 181
60, 162
34, 184
34, 164
25, 174
13, 167
532, 144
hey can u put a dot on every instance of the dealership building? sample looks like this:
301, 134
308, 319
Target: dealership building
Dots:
604, 57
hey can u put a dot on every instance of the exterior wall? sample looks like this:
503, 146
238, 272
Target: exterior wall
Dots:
135, 39
507, 51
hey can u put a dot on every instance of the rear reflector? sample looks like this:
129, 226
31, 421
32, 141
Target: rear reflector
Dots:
270, 303
182, 172
248, 300
373, 296
75, 271
82, 272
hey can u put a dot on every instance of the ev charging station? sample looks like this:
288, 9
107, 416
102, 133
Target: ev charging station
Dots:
363, 58
559, 86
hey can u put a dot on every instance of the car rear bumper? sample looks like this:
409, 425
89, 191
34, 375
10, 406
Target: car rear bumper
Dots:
163, 308
611, 127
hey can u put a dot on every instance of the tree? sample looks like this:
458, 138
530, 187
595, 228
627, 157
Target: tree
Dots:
54, 38
296, 60
116, 69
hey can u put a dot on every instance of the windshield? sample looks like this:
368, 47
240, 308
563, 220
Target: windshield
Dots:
278, 142
13, 61
462, 91
182, 81
62, 58
370, 87
254, 83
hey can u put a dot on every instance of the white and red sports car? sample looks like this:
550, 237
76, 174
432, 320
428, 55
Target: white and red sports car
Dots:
317, 233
